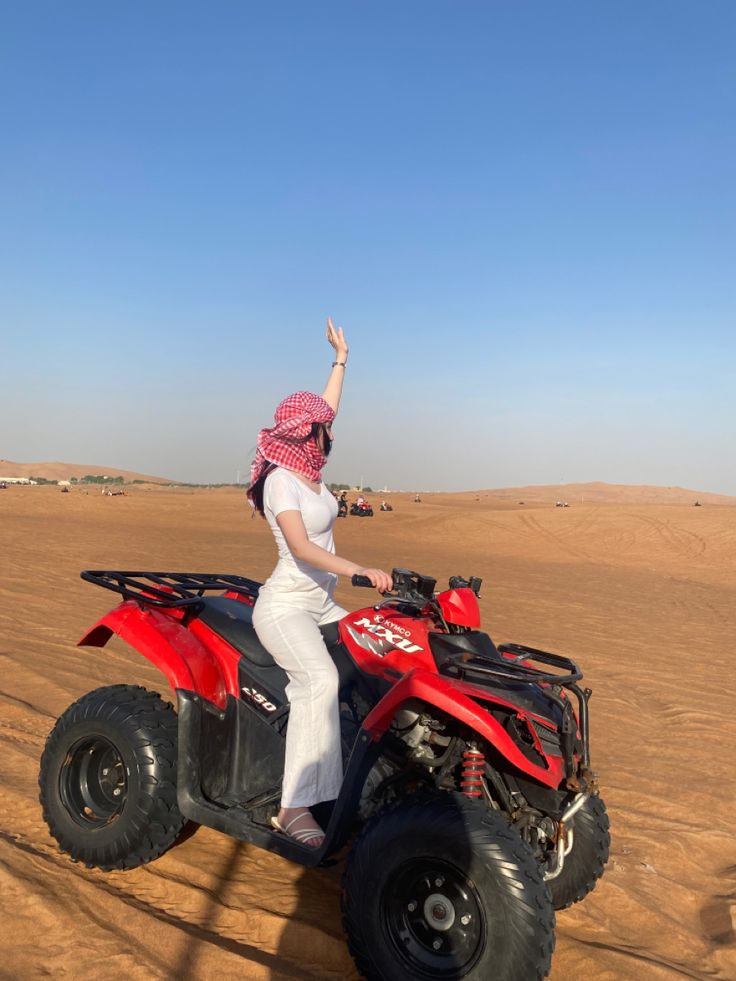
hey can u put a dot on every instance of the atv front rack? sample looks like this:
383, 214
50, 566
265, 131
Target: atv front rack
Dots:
514, 668
170, 589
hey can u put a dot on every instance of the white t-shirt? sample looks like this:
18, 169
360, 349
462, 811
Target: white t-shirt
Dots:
284, 491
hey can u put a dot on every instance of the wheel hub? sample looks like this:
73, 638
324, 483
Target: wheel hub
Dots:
439, 912
434, 918
93, 782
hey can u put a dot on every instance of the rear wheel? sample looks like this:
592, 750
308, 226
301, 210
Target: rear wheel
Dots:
584, 865
108, 778
442, 888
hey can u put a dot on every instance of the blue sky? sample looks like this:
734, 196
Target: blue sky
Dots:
522, 213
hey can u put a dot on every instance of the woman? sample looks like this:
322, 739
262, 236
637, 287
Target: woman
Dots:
287, 489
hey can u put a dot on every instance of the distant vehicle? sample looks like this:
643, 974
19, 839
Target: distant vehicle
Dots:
561, 504
361, 510
385, 506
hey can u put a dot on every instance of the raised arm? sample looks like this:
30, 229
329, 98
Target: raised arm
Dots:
333, 388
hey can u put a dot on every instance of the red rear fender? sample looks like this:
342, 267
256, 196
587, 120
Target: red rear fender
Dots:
175, 651
436, 691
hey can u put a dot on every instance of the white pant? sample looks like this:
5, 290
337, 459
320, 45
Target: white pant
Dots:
288, 627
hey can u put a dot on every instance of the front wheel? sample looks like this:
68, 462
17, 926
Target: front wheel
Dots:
584, 865
108, 778
443, 888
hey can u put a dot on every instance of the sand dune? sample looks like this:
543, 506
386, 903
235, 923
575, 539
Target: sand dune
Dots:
643, 595
599, 492
596, 492
65, 471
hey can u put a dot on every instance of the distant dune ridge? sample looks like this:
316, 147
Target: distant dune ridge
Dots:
596, 492
65, 471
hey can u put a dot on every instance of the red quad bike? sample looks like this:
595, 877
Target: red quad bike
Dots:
468, 803
364, 510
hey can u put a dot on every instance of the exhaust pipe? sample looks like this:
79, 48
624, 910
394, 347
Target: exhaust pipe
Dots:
565, 835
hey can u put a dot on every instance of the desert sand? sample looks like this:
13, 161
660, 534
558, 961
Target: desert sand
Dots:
643, 595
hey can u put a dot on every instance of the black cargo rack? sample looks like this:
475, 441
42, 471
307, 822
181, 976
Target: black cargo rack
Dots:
480, 669
515, 670
170, 589
518, 670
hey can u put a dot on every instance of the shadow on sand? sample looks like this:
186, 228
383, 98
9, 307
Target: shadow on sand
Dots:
314, 902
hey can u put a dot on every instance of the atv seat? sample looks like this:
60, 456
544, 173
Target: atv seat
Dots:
233, 621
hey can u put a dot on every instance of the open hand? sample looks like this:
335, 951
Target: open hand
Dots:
336, 337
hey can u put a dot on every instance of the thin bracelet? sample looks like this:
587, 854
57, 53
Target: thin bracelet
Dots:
342, 364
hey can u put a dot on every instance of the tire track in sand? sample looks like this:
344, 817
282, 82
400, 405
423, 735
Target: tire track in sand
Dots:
537, 528
675, 538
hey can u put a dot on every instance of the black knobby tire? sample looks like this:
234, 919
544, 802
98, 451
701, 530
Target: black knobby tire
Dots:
585, 863
442, 887
108, 778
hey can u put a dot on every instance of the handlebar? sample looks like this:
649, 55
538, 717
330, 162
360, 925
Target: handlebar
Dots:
415, 589
404, 586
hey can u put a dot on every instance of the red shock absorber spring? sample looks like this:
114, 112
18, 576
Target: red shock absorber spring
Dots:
471, 778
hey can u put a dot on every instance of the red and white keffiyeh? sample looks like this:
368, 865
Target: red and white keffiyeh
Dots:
294, 418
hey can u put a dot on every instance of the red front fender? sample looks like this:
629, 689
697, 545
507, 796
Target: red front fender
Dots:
437, 691
182, 658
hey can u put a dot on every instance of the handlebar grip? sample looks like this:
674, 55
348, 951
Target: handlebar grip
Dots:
362, 581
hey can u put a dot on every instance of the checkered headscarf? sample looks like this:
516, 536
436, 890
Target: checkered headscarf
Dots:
294, 417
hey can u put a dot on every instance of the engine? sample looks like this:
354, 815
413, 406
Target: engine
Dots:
423, 744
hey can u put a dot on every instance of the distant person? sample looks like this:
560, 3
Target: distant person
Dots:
417, 499
361, 501
286, 488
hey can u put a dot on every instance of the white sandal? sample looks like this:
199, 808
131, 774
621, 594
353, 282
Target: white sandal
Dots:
304, 836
